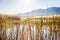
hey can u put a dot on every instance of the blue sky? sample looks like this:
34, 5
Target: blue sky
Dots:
22, 6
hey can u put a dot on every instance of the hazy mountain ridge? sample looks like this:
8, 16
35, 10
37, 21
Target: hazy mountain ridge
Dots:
42, 12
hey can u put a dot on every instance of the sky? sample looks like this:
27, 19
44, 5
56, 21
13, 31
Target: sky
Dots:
23, 6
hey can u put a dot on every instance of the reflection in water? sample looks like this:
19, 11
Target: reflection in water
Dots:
46, 32
8, 31
26, 32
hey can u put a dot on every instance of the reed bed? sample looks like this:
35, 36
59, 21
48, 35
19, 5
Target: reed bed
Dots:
16, 28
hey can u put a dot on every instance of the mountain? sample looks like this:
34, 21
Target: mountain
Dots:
42, 12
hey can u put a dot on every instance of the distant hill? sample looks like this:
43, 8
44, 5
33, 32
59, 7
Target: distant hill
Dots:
42, 12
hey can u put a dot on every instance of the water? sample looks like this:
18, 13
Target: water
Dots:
29, 32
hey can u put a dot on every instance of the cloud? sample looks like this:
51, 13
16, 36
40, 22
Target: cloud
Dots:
21, 6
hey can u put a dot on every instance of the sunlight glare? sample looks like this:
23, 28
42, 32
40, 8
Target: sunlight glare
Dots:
27, 1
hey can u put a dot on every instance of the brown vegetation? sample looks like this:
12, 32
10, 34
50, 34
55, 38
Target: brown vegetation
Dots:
16, 28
